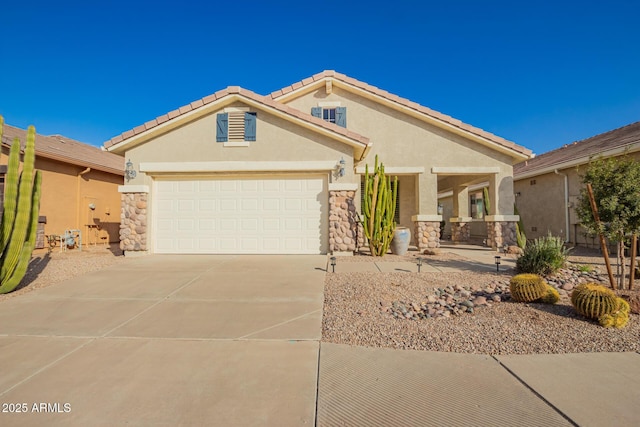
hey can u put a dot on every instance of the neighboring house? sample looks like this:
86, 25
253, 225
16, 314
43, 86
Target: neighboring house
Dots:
237, 172
547, 187
79, 185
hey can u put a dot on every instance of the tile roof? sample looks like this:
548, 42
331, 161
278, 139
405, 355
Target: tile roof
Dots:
236, 90
403, 102
67, 150
581, 150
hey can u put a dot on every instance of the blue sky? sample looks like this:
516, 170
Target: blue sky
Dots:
541, 74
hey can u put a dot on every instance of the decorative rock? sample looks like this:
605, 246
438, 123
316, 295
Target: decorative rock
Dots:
479, 300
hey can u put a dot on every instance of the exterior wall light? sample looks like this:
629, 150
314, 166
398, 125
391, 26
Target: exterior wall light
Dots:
440, 209
333, 264
341, 167
129, 172
497, 258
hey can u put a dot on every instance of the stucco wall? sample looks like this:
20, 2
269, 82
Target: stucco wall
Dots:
541, 205
404, 141
276, 140
66, 196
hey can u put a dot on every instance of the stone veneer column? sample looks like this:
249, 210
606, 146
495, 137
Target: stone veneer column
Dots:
345, 231
501, 230
460, 229
427, 231
133, 219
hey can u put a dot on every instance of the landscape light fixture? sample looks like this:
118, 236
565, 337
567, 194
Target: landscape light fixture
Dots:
419, 263
497, 257
129, 172
333, 264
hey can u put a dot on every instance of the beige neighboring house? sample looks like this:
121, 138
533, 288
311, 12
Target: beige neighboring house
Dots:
238, 172
547, 187
79, 185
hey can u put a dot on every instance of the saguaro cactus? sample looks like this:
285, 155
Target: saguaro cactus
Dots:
379, 209
20, 216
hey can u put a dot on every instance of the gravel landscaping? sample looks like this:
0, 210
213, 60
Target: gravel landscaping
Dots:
46, 269
465, 312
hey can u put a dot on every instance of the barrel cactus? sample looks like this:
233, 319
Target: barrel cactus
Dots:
527, 287
20, 213
597, 302
551, 296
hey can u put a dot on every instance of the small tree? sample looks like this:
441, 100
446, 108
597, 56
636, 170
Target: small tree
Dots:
616, 189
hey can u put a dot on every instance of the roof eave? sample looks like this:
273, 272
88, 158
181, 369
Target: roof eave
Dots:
122, 146
629, 148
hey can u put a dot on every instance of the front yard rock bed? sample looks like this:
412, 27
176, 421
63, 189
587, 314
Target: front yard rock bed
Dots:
465, 312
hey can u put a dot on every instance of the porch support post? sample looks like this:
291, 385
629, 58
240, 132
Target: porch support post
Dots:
501, 230
345, 231
133, 219
460, 229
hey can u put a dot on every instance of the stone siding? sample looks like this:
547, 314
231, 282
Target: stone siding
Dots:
427, 235
501, 234
133, 222
345, 232
460, 232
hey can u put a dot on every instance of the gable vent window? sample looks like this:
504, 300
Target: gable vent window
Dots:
337, 115
236, 127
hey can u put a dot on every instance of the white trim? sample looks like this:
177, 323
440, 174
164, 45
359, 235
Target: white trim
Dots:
236, 109
496, 218
329, 104
631, 148
236, 143
284, 166
473, 187
460, 219
465, 170
133, 189
343, 186
396, 170
427, 218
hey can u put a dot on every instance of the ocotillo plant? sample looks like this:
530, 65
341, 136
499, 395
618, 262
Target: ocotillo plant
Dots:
20, 215
379, 209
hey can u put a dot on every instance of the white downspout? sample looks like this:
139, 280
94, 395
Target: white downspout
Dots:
566, 204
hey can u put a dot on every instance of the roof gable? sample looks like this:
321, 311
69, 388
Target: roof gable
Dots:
227, 96
613, 142
67, 150
379, 95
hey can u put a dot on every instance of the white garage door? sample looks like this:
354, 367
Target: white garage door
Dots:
235, 216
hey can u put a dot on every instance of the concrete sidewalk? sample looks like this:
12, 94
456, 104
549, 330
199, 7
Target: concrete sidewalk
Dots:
475, 258
361, 386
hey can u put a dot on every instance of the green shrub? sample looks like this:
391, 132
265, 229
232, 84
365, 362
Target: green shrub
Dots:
545, 255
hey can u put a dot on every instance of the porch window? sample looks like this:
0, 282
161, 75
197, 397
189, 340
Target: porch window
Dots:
477, 205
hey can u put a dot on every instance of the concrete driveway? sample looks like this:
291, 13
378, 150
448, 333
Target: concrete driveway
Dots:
167, 340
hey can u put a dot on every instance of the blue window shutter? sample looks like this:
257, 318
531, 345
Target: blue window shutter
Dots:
316, 112
222, 122
341, 116
249, 126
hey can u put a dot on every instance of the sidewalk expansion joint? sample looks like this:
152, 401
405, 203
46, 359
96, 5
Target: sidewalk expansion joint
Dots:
555, 408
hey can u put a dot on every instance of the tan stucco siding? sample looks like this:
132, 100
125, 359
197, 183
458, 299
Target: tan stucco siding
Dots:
276, 140
543, 205
66, 196
404, 141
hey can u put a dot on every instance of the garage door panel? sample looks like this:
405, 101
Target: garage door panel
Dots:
279, 215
